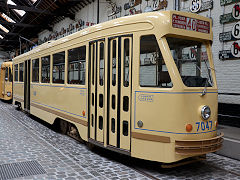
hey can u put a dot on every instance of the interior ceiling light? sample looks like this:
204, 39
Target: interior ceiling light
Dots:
33, 1
1, 37
20, 12
7, 18
4, 29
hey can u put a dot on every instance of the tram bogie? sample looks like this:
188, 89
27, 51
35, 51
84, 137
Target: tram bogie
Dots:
142, 85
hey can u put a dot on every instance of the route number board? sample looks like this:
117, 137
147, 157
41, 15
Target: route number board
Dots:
191, 24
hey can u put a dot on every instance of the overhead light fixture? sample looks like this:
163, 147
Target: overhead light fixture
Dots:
1, 37
7, 18
33, 1
4, 29
20, 12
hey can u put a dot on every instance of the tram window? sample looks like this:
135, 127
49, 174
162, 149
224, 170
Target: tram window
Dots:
93, 62
191, 59
35, 70
113, 101
92, 120
125, 103
101, 64
113, 125
100, 122
10, 75
126, 63
77, 65
153, 70
21, 72
100, 100
6, 74
92, 99
58, 72
16, 72
125, 128
114, 62
45, 69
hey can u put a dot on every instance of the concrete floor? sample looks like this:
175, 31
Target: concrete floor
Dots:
24, 139
231, 143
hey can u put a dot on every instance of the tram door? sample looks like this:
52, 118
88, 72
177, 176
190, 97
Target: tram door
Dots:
97, 94
120, 55
27, 66
110, 99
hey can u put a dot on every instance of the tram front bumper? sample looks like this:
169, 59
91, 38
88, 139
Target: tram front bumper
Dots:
198, 147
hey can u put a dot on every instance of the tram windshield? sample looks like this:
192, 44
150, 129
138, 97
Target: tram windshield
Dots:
192, 62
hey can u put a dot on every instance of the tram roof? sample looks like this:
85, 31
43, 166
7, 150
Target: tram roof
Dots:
161, 18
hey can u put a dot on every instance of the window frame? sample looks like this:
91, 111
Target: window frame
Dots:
87, 48
6, 74
207, 43
38, 70
51, 67
166, 64
22, 73
10, 74
17, 73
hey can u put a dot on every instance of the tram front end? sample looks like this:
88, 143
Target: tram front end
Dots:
176, 105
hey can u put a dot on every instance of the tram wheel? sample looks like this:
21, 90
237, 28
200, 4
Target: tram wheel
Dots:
90, 146
63, 125
19, 107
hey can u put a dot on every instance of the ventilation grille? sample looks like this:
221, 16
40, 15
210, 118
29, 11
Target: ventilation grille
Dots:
21, 169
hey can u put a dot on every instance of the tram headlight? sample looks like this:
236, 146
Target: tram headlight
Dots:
205, 112
8, 94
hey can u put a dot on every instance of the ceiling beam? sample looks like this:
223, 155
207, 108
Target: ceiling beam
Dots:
29, 9
40, 11
6, 40
17, 24
9, 34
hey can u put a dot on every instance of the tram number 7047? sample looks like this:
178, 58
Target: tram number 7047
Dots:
204, 126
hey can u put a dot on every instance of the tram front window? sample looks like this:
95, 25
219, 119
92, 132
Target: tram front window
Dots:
192, 62
153, 70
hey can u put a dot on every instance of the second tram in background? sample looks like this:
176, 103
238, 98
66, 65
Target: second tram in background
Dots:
6, 81
141, 85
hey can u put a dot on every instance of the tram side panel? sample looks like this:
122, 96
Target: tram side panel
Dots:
69, 103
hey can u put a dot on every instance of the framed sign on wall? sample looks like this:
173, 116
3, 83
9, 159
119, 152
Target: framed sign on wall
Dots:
231, 17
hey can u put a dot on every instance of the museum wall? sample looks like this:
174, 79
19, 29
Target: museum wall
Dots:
227, 67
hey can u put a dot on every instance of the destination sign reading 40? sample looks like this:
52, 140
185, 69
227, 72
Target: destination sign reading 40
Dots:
187, 23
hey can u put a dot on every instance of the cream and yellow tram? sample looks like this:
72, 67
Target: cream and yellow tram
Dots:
142, 85
6, 81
